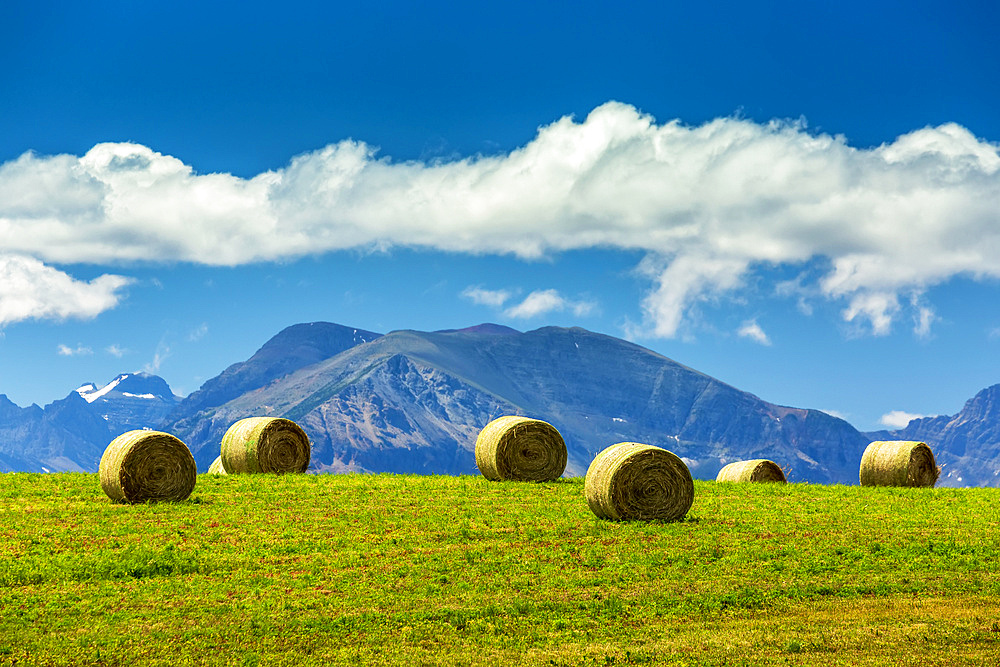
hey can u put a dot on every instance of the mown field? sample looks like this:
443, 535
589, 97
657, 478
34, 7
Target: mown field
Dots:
389, 569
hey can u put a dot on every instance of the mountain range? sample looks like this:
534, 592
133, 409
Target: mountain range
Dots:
412, 401
72, 433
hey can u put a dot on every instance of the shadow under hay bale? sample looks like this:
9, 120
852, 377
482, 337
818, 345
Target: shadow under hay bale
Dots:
755, 470
140, 466
217, 468
631, 481
520, 449
265, 445
898, 463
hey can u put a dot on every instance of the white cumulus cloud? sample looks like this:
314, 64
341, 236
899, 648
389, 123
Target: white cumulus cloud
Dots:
709, 205
541, 302
898, 419
67, 351
750, 329
30, 289
487, 297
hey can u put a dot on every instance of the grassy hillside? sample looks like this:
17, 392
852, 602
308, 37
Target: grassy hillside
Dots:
315, 570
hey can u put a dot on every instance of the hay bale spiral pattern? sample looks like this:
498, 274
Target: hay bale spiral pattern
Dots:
217, 468
756, 470
140, 466
898, 463
631, 481
265, 445
520, 449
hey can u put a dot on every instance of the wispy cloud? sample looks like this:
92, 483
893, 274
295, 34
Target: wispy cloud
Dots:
116, 350
31, 290
877, 308
750, 329
159, 356
541, 302
923, 317
79, 350
487, 297
708, 204
898, 419
198, 332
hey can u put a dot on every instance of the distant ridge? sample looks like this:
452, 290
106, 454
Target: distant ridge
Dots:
413, 401
486, 328
71, 434
290, 349
966, 445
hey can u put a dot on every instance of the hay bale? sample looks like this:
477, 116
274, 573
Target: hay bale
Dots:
756, 470
898, 463
632, 481
265, 444
140, 466
520, 449
217, 468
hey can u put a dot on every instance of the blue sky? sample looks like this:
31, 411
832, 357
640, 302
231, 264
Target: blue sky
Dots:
801, 201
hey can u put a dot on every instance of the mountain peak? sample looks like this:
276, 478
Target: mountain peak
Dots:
487, 328
292, 348
991, 393
322, 338
145, 385
129, 385
90, 392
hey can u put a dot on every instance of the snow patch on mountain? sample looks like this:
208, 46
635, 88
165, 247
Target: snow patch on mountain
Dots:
90, 395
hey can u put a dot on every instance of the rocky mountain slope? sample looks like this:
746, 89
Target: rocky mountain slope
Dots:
292, 348
72, 433
414, 401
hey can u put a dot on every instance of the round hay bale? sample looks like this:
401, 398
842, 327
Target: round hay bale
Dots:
756, 470
520, 449
217, 468
898, 463
140, 466
265, 444
632, 481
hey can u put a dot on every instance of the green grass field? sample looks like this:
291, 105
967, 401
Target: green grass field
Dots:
389, 569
